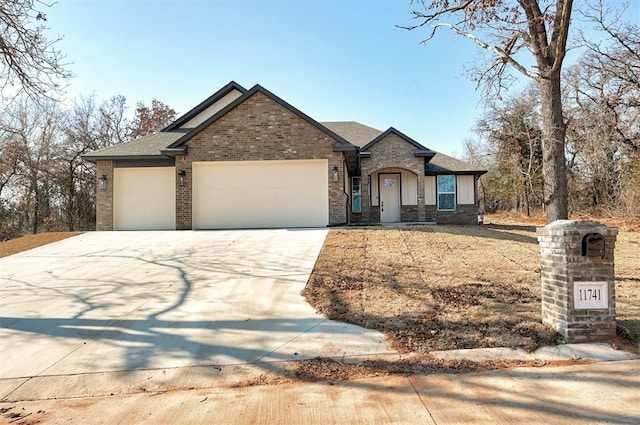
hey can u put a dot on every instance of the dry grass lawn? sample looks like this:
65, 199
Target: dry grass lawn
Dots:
13, 246
451, 287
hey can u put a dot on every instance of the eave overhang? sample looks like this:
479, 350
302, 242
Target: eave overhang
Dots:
339, 145
427, 154
120, 157
173, 152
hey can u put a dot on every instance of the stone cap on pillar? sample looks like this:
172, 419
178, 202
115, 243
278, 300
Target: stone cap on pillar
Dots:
580, 239
561, 227
567, 224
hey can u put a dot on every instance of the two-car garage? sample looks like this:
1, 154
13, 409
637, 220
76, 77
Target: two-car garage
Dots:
226, 194
259, 194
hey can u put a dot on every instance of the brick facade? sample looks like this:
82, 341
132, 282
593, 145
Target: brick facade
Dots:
104, 198
464, 214
562, 265
261, 129
392, 152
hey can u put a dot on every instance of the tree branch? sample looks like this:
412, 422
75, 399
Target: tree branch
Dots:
507, 58
561, 33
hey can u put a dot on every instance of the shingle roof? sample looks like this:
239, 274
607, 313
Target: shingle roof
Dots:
354, 132
420, 150
345, 133
340, 143
362, 135
153, 146
144, 147
444, 164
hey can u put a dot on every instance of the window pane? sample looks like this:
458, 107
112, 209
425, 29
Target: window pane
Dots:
356, 205
356, 195
446, 201
446, 184
355, 185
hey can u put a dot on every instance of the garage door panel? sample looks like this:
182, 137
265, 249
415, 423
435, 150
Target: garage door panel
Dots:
144, 198
253, 194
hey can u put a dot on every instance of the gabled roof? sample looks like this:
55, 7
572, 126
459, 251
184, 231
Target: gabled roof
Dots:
439, 163
347, 136
204, 105
147, 147
444, 164
354, 132
340, 143
420, 150
171, 140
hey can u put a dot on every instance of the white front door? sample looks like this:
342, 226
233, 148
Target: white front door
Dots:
389, 185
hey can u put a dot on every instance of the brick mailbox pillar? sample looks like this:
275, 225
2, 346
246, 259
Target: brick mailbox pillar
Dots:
578, 286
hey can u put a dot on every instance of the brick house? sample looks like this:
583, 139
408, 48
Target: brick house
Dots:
248, 159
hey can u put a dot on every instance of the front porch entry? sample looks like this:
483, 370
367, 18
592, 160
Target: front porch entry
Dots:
389, 188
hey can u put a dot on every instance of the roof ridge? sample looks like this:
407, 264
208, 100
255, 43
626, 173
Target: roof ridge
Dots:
397, 133
257, 88
232, 85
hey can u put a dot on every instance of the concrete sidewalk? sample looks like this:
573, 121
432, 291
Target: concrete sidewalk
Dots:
604, 392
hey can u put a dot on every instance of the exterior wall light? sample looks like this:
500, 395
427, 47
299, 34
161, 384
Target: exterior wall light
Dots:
335, 174
181, 177
102, 182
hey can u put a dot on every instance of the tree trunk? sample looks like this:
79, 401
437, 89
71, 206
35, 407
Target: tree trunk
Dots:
553, 140
36, 210
527, 205
71, 199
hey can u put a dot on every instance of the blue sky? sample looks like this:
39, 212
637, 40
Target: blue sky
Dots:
336, 60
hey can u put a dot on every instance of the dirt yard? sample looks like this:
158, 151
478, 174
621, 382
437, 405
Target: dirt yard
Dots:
13, 246
451, 287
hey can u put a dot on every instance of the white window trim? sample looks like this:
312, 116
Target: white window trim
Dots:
356, 194
438, 193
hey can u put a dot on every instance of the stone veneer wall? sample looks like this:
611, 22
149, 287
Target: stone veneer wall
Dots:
104, 198
562, 266
261, 129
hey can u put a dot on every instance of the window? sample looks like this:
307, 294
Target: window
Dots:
356, 195
446, 193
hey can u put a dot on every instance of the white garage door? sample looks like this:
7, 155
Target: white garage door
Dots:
144, 198
257, 194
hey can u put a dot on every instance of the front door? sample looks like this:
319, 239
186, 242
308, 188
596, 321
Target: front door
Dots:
389, 185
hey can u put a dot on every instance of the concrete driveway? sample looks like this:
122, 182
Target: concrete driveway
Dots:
102, 303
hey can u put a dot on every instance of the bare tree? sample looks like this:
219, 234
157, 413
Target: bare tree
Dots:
602, 107
609, 72
44, 184
512, 31
29, 62
12, 153
36, 128
113, 123
510, 133
88, 127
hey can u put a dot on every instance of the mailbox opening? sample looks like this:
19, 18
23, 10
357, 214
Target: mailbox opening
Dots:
593, 245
